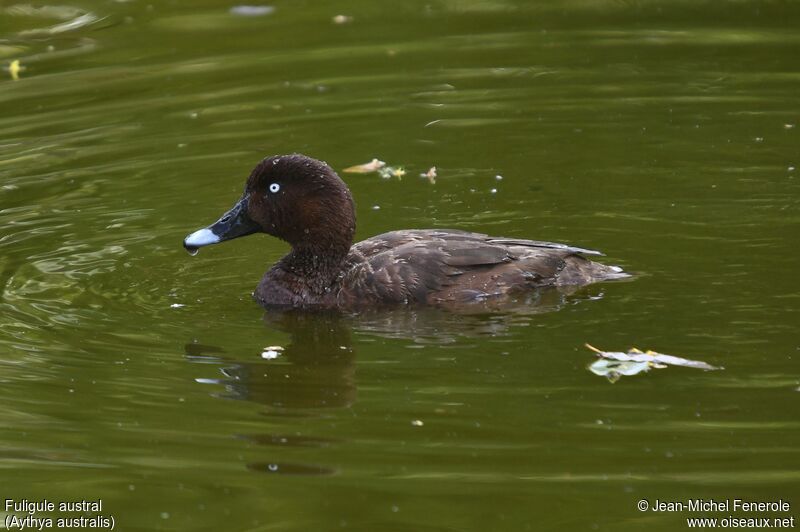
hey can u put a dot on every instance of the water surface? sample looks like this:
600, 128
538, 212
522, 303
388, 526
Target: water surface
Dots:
664, 133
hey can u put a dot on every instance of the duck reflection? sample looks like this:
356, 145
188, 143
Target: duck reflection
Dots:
474, 319
316, 367
314, 370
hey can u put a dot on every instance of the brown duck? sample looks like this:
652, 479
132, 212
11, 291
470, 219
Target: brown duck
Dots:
302, 201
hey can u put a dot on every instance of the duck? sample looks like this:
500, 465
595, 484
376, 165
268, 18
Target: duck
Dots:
303, 202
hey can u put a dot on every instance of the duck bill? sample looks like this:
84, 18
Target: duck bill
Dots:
232, 224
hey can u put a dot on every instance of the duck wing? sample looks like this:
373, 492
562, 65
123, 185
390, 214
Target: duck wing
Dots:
545, 245
430, 266
393, 239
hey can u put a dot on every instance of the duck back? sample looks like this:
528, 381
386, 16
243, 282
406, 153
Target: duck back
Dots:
443, 266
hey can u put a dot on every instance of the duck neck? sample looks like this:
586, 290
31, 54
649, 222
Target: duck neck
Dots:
317, 266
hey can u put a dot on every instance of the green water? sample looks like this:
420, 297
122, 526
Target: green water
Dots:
665, 133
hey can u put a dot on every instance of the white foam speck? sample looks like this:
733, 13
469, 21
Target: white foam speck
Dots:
272, 352
252, 11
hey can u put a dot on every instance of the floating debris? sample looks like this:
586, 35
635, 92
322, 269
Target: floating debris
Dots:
272, 352
177, 305
637, 355
417, 423
14, 69
430, 175
614, 364
614, 369
388, 172
252, 11
376, 165
373, 166
342, 19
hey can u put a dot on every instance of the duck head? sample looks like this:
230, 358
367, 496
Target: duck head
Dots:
292, 197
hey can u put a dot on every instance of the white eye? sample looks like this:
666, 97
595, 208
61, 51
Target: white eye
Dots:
274, 188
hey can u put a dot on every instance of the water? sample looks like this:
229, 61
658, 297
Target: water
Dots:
663, 133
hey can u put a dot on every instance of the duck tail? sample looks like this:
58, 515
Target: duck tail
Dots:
580, 270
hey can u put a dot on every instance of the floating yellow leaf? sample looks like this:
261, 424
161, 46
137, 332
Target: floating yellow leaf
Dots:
14, 69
